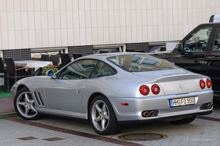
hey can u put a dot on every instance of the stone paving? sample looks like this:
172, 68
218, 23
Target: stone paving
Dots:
11, 131
75, 132
6, 105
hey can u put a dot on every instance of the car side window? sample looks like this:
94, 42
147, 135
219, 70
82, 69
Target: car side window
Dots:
198, 41
78, 70
216, 46
102, 69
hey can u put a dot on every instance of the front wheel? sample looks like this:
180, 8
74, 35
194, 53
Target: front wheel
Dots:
25, 106
102, 117
184, 120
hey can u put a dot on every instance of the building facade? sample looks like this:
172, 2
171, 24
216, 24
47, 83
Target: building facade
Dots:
27, 24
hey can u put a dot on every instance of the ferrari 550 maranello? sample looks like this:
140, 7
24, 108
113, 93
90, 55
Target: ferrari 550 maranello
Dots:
112, 89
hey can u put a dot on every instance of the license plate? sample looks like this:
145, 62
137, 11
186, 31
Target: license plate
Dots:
182, 101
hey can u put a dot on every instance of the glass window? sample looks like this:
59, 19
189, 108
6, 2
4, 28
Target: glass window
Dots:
143, 63
78, 70
102, 69
135, 59
150, 61
216, 46
197, 41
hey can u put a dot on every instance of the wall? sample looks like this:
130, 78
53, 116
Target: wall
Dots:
138, 47
55, 23
84, 50
19, 54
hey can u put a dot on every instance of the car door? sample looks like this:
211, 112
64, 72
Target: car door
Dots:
195, 46
65, 91
213, 62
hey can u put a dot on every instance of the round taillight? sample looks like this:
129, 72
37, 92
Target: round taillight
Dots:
202, 84
155, 89
144, 90
208, 83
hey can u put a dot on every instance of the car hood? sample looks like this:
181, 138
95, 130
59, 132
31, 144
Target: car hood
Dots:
36, 80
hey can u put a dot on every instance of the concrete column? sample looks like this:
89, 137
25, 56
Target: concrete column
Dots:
66, 50
1, 53
124, 48
120, 49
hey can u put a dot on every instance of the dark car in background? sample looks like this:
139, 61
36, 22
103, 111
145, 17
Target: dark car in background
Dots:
199, 52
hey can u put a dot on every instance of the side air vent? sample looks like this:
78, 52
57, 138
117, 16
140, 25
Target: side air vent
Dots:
38, 98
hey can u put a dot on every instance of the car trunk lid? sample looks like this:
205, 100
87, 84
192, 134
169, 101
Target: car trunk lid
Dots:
177, 81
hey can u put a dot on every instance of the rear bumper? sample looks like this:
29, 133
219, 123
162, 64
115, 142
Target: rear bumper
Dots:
133, 112
158, 119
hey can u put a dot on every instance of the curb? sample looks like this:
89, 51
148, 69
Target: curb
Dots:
8, 115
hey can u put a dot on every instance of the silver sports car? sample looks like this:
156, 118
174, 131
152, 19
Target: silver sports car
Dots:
112, 89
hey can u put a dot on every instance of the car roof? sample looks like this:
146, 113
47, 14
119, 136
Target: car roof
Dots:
210, 23
106, 55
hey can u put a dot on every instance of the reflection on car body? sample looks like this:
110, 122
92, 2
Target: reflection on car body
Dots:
141, 63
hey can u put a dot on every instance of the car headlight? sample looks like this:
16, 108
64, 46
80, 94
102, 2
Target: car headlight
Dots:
14, 87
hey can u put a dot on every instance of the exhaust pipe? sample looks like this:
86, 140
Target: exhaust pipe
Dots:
151, 113
210, 105
207, 106
145, 114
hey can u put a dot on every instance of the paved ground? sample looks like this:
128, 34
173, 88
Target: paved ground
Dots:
205, 130
6, 105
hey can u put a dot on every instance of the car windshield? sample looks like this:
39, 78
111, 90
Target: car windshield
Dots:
141, 63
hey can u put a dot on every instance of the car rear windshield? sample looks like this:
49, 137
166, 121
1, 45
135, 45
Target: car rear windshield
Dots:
141, 63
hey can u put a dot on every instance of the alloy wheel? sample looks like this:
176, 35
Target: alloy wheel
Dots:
100, 115
25, 105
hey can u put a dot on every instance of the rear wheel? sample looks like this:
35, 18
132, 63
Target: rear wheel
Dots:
25, 105
184, 120
102, 116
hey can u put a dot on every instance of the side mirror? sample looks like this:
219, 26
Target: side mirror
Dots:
56, 76
179, 47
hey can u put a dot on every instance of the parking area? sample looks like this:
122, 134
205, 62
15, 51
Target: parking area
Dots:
61, 131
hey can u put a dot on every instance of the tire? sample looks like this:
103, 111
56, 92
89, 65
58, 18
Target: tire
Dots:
24, 105
184, 120
102, 116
